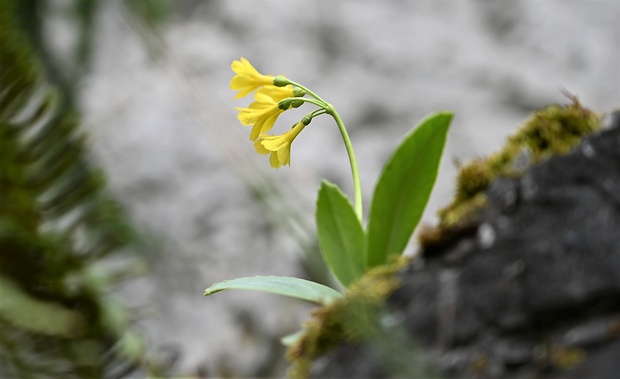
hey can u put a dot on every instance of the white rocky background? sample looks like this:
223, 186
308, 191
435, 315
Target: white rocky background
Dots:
164, 129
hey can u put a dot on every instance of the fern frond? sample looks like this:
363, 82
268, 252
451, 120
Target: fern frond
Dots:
58, 230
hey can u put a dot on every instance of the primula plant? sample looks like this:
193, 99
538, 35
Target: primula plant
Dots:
348, 247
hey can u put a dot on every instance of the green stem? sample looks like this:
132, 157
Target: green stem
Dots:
324, 105
329, 109
357, 186
317, 112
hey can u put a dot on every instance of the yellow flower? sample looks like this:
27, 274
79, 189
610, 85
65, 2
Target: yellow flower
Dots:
262, 113
278, 146
248, 78
277, 93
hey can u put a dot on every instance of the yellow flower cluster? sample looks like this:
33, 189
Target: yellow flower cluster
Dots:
271, 99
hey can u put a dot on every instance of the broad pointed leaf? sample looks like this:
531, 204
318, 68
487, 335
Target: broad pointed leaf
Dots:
404, 188
340, 233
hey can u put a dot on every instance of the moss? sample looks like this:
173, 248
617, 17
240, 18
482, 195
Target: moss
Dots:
479, 366
460, 219
550, 131
565, 357
350, 319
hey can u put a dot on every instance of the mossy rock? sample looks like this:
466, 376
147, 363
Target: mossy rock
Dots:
553, 130
352, 318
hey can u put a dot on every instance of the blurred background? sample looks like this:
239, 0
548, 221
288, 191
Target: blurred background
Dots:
150, 81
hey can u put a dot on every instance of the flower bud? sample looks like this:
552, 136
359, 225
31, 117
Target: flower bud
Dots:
285, 104
281, 81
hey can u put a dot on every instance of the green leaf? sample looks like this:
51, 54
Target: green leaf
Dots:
404, 188
340, 233
280, 285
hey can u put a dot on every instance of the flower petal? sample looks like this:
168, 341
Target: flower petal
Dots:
275, 93
268, 124
248, 78
247, 116
273, 143
284, 154
274, 161
264, 98
260, 148
255, 132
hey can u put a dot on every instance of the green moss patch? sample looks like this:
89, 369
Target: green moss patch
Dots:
550, 131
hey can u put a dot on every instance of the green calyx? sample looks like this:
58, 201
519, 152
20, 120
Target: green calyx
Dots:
285, 104
281, 81
298, 92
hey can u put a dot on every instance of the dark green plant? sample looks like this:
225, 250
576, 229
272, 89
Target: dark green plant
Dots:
63, 240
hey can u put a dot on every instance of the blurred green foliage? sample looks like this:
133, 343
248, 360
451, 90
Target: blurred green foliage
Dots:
64, 243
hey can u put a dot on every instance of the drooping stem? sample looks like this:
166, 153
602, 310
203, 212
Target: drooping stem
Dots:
357, 185
329, 109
